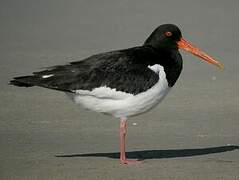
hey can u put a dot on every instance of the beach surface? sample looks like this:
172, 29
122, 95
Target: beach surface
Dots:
192, 134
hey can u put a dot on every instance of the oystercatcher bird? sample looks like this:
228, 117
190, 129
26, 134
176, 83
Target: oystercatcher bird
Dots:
122, 83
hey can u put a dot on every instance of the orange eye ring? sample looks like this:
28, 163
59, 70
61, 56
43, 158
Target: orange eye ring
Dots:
168, 34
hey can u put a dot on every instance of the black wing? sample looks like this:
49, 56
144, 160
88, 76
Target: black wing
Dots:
125, 70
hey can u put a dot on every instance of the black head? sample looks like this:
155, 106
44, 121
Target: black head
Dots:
165, 37
168, 37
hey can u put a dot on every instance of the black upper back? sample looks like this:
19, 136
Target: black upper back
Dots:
125, 70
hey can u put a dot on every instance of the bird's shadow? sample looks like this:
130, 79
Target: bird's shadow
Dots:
158, 154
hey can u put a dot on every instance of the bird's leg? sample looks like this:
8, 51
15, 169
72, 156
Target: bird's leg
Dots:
123, 128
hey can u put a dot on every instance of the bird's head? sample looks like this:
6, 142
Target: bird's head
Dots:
168, 37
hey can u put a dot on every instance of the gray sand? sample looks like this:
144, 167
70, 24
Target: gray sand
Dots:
193, 134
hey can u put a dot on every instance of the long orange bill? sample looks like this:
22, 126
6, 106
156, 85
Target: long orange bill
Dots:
187, 46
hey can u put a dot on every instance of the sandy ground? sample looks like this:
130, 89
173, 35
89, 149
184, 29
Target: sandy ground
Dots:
193, 134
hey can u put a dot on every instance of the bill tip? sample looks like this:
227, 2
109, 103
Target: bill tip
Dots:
221, 66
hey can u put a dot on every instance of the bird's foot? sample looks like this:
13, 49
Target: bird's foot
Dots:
130, 161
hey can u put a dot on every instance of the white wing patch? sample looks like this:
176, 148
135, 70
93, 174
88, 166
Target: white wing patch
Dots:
105, 92
47, 76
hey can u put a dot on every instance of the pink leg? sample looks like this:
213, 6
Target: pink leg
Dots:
123, 159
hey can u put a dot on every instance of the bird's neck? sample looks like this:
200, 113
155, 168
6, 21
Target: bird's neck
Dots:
172, 62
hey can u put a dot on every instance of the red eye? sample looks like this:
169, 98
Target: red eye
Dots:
168, 34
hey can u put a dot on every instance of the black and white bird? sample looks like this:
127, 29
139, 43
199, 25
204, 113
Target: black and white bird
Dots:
122, 83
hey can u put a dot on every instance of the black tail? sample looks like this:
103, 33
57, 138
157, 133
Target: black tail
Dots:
24, 81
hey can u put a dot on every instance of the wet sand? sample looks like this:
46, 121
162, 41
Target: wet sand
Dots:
192, 134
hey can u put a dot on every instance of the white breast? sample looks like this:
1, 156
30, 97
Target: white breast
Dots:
121, 104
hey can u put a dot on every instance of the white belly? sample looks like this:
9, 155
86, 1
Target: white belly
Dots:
121, 104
